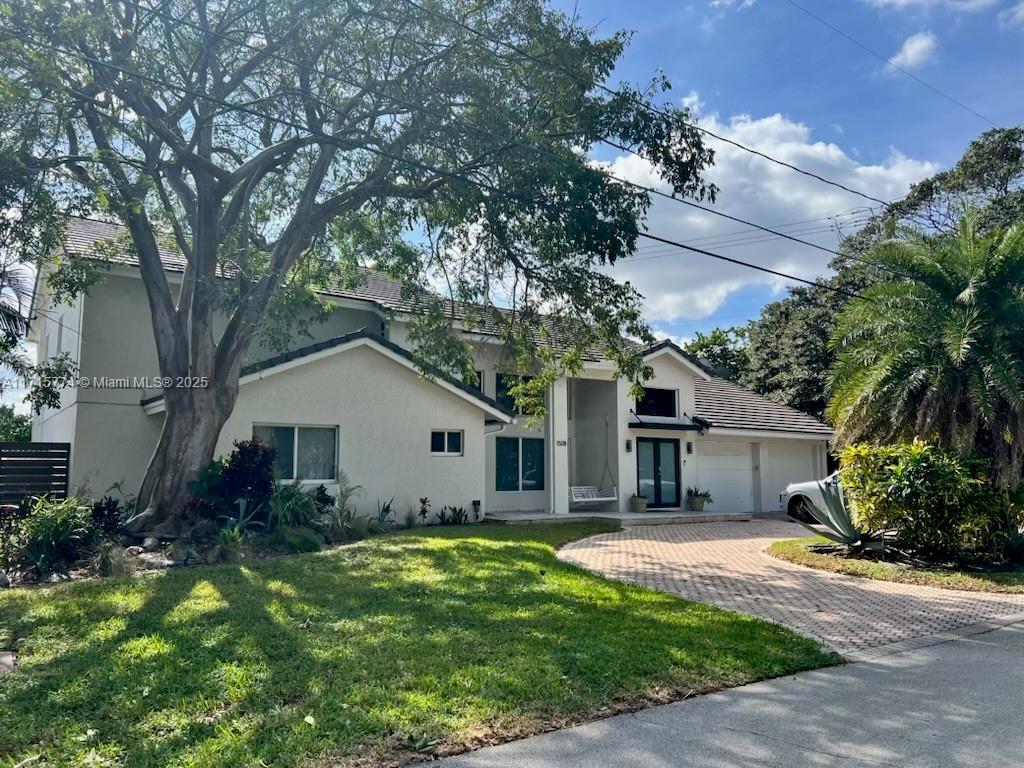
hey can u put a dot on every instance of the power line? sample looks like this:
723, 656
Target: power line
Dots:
423, 166
642, 104
535, 147
888, 60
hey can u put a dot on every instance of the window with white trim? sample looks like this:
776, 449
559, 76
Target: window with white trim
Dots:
309, 454
446, 442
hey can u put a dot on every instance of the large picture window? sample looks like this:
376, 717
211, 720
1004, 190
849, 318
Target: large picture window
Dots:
301, 453
657, 402
519, 464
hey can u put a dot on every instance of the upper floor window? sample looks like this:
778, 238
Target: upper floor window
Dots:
478, 385
301, 453
657, 402
503, 382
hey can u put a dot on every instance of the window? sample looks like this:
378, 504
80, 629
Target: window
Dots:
519, 464
301, 453
657, 402
503, 382
446, 443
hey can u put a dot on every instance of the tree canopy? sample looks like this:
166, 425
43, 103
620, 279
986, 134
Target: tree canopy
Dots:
938, 353
276, 144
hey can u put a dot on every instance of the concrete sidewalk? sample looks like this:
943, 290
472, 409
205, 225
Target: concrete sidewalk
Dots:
960, 703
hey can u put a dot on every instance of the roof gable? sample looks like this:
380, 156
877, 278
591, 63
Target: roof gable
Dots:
305, 355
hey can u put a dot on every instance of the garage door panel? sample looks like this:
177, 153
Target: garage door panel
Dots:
726, 470
782, 464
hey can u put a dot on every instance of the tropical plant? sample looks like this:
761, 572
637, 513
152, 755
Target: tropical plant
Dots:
937, 352
55, 534
458, 515
424, 509
836, 521
385, 511
107, 516
699, 493
933, 503
289, 506
247, 519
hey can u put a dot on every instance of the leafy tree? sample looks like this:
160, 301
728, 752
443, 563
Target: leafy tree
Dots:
938, 355
723, 349
788, 344
14, 427
275, 144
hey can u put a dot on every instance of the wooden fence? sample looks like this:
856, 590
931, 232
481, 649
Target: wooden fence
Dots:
33, 469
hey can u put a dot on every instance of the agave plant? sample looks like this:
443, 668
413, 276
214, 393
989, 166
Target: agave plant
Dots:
837, 521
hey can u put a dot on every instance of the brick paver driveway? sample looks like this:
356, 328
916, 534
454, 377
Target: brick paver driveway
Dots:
725, 564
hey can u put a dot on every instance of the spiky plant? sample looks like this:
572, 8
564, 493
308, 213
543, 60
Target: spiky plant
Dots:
836, 521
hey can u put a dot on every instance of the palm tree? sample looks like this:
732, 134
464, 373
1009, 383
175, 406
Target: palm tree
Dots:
938, 352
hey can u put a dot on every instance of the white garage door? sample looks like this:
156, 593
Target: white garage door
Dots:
727, 471
782, 464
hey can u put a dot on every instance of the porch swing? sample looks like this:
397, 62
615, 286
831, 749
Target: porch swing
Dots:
582, 496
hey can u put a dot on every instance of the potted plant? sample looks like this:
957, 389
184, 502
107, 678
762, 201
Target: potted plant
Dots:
637, 503
697, 498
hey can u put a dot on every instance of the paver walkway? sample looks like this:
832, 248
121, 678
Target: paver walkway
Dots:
726, 564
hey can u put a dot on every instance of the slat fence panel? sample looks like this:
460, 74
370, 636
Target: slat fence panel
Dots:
33, 469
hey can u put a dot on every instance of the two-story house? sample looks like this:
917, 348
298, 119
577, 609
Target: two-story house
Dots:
351, 399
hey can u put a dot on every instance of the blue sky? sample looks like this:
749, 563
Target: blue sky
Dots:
764, 72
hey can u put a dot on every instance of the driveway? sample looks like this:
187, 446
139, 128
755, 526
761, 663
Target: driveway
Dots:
725, 564
955, 704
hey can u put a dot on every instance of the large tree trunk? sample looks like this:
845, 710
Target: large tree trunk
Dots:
192, 424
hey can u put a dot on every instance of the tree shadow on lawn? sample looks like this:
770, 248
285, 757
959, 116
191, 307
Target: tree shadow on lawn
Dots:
351, 650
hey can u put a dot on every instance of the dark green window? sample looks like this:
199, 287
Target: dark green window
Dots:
519, 464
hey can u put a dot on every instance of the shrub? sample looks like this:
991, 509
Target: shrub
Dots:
291, 507
11, 516
107, 516
293, 539
248, 474
935, 503
55, 534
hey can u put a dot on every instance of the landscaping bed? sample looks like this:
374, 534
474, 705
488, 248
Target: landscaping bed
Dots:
424, 641
817, 552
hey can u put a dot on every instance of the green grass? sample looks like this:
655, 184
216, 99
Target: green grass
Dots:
796, 551
461, 635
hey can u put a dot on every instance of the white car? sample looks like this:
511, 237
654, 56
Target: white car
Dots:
792, 500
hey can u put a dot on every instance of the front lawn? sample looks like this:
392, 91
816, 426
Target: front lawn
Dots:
436, 639
799, 551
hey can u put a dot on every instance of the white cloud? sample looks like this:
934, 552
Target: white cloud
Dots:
693, 102
1014, 15
916, 51
686, 286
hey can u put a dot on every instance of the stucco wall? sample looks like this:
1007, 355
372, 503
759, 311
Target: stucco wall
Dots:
384, 413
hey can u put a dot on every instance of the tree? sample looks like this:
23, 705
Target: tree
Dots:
14, 427
724, 350
276, 143
939, 354
788, 345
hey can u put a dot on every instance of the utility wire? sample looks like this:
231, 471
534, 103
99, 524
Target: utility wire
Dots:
536, 147
423, 166
641, 103
890, 62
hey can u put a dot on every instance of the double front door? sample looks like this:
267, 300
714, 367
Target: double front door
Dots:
657, 464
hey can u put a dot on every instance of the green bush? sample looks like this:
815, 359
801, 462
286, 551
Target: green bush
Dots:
934, 503
291, 506
55, 534
293, 539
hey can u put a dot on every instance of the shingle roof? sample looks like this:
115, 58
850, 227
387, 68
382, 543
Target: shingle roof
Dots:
729, 406
724, 404
337, 341
82, 236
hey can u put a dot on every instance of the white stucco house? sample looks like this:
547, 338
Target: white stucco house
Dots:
352, 398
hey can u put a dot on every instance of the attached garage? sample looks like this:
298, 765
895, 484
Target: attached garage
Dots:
785, 463
726, 469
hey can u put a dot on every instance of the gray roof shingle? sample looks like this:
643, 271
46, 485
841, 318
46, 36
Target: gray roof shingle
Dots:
724, 404
729, 406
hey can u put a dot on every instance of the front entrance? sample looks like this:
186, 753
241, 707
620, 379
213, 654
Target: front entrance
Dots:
657, 471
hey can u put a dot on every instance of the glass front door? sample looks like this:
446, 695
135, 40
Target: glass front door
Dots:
657, 464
